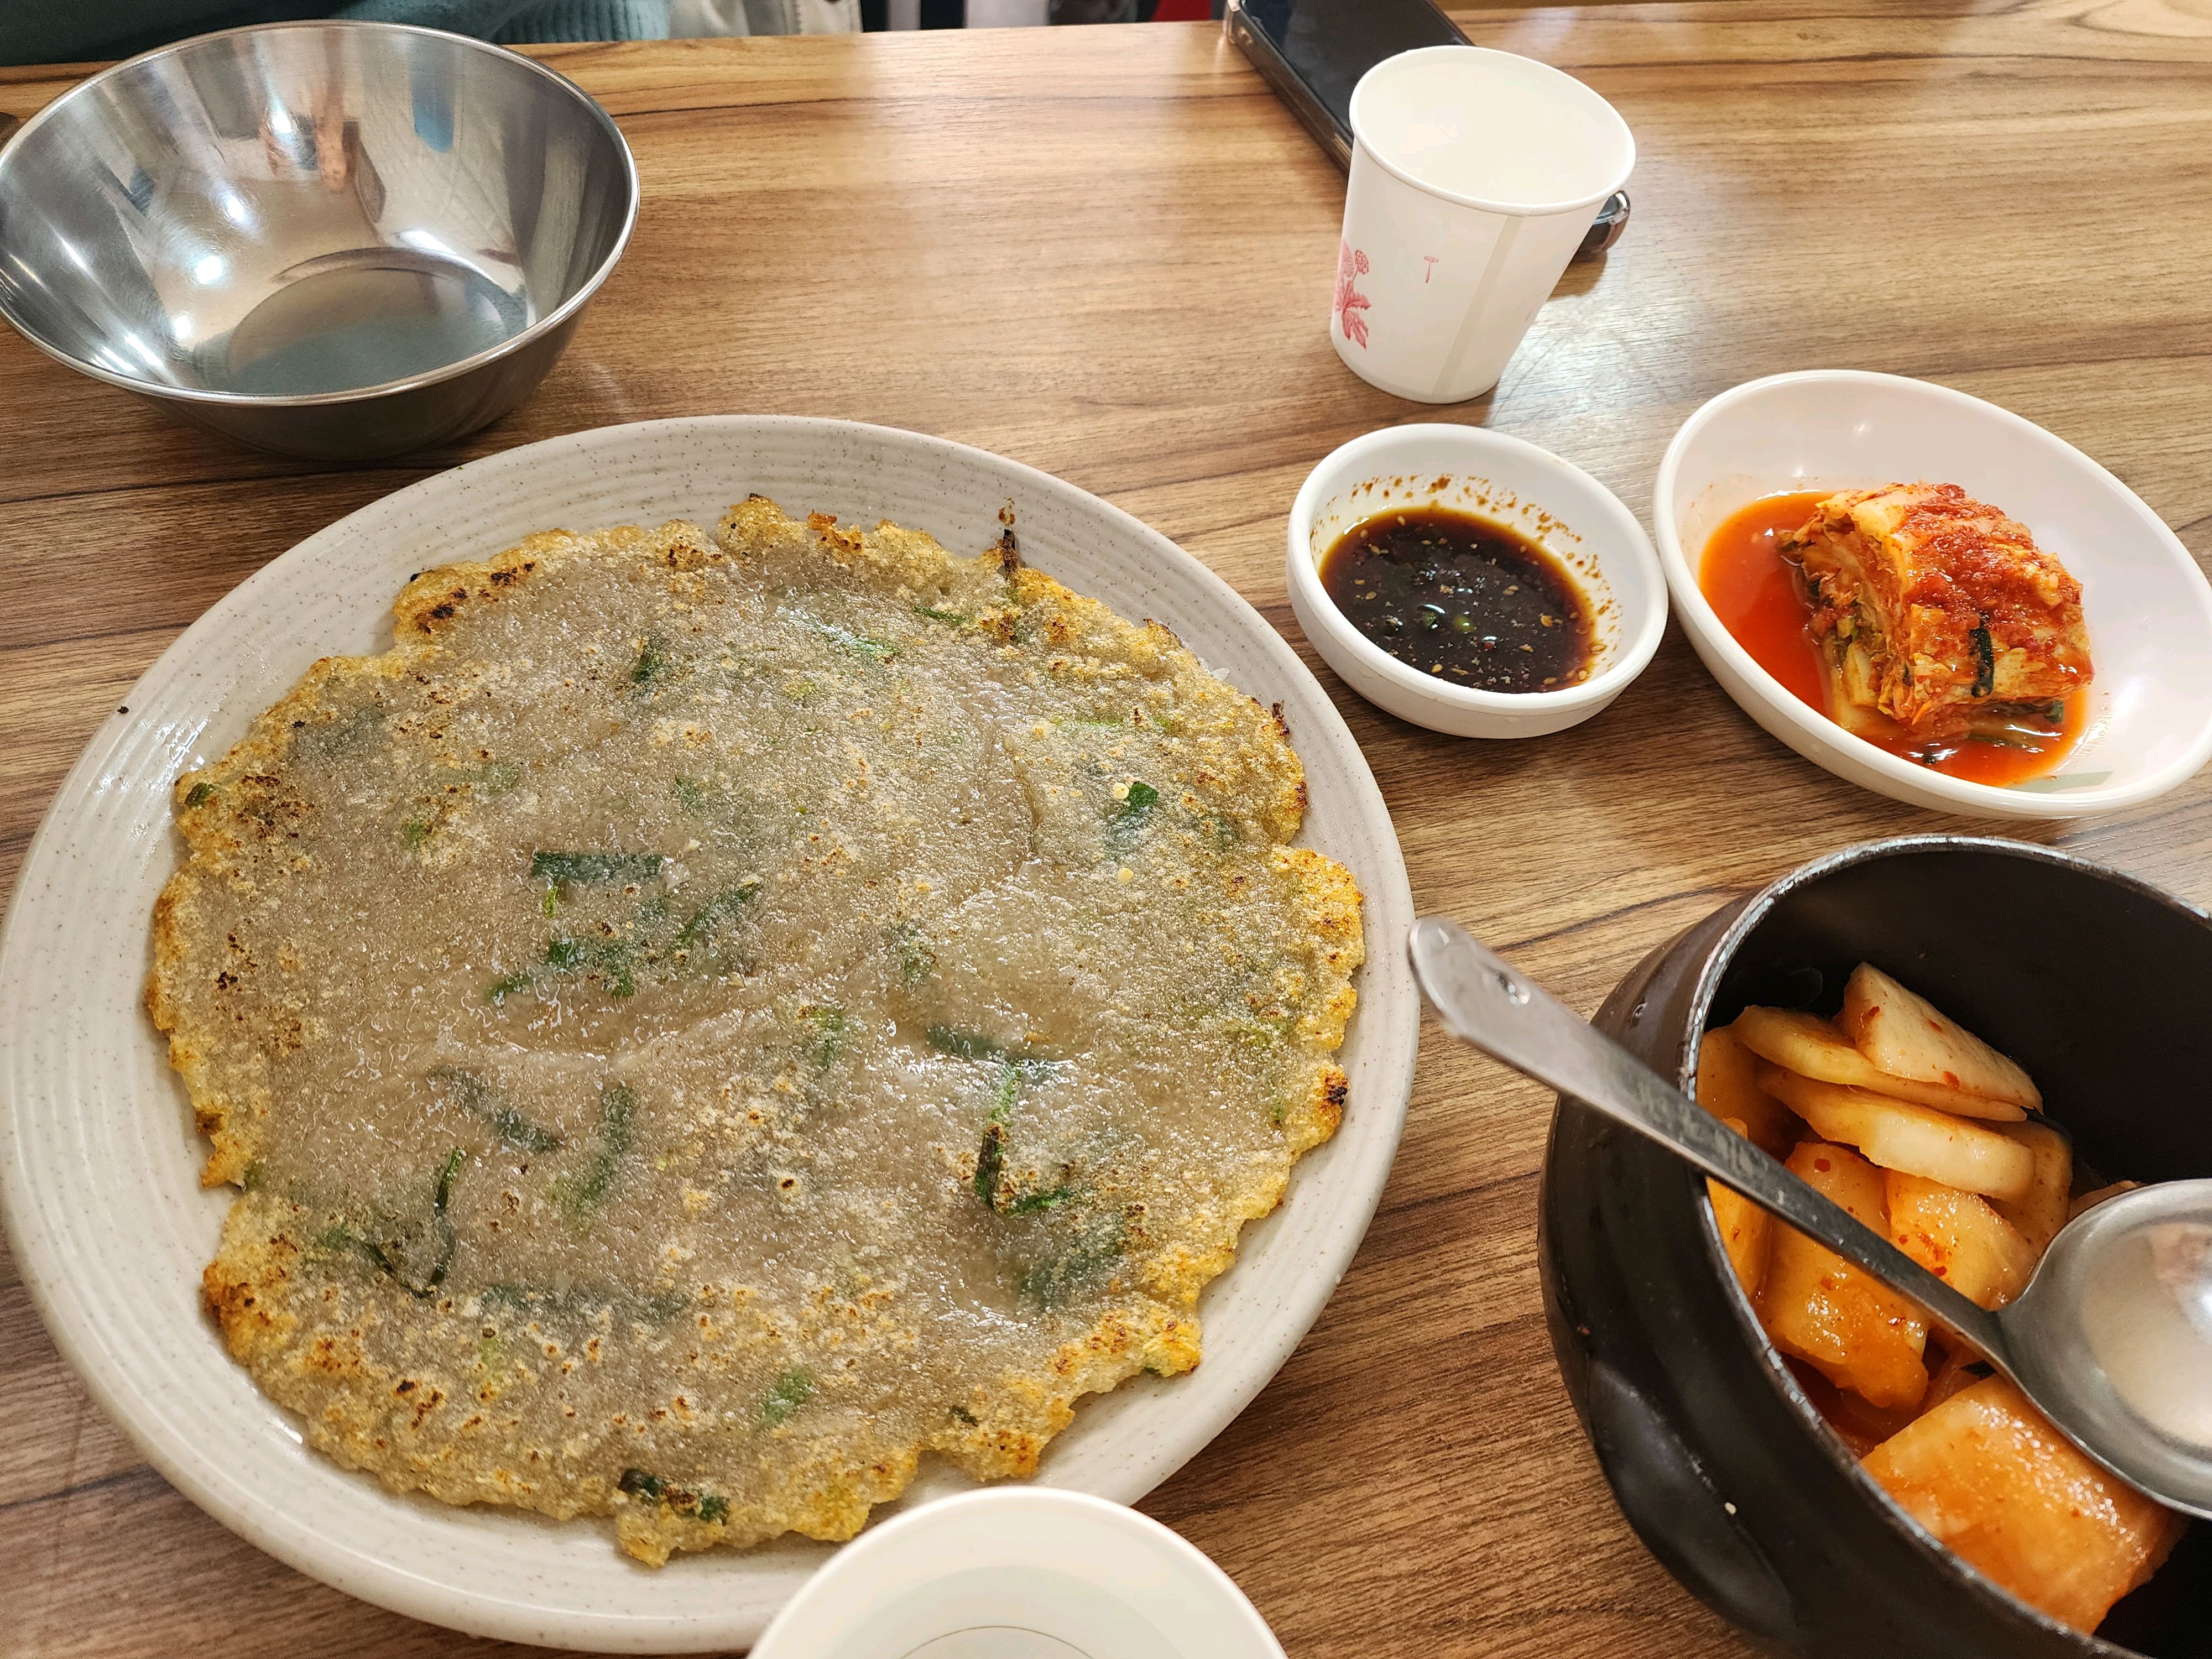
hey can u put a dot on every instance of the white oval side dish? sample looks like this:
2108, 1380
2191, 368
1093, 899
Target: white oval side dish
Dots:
1020, 1572
1555, 504
99, 1161
2147, 606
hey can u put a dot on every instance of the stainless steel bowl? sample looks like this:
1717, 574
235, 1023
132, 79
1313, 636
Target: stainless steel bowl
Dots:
333, 239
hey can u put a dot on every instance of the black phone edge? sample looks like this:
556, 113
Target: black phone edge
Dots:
1275, 69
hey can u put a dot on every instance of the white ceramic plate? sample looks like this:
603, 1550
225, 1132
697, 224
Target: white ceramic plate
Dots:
99, 1163
2147, 606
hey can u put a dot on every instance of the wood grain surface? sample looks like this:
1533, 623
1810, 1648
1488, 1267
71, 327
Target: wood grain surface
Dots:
1109, 253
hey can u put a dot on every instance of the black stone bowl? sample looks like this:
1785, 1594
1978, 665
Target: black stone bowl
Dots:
2102, 988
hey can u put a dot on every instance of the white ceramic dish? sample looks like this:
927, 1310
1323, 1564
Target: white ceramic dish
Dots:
1018, 1573
99, 1163
1558, 505
2147, 606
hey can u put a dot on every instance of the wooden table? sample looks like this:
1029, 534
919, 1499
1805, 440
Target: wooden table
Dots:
1109, 253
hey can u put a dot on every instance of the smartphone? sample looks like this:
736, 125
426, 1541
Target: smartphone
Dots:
1313, 53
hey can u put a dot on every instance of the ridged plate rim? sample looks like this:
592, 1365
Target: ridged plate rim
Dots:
98, 1158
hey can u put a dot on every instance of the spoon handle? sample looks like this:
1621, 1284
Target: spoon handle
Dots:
1484, 1000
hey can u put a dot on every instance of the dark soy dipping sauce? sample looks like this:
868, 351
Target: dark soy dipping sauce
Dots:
1471, 602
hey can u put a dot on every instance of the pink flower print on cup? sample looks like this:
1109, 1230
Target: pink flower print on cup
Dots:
1351, 266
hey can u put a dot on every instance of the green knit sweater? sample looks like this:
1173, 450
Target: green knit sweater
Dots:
74, 31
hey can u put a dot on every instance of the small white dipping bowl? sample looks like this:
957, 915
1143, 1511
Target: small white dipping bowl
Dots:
1019, 1572
1556, 505
2148, 607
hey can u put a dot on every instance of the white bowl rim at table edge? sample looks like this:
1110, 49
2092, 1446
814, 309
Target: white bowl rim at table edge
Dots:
1614, 536
98, 1160
899, 1587
1999, 443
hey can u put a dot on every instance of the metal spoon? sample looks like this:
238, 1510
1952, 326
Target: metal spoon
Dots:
2111, 1339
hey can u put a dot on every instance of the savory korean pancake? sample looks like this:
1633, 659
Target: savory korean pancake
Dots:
702, 1021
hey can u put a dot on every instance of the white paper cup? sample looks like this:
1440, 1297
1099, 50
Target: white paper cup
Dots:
1474, 177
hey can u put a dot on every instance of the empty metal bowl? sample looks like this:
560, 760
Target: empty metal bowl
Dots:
333, 239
